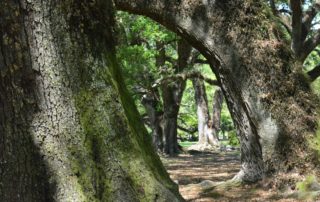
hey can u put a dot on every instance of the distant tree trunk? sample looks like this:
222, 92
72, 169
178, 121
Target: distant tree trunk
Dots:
216, 116
268, 97
207, 128
171, 95
202, 110
172, 92
64, 135
150, 102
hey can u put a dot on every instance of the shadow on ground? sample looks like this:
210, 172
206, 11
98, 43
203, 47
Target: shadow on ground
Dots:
190, 169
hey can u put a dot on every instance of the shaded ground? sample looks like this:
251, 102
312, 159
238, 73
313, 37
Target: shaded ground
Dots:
190, 169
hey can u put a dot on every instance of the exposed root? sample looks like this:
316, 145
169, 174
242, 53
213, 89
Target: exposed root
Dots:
204, 147
208, 185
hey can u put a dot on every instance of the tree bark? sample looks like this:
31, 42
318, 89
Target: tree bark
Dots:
271, 104
68, 129
172, 94
216, 116
150, 103
207, 128
202, 110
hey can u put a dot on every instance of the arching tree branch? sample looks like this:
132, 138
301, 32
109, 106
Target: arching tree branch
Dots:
309, 45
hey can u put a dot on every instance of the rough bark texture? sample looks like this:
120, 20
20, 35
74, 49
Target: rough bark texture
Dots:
267, 95
64, 135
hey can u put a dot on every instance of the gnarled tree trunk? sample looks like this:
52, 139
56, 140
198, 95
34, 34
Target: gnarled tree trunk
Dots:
64, 135
270, 101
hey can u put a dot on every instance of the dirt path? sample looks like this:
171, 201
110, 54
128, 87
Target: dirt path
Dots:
189, 170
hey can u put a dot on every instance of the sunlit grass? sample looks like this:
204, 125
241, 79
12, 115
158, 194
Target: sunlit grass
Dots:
186, 144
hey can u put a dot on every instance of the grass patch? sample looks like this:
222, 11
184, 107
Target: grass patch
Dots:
186, 144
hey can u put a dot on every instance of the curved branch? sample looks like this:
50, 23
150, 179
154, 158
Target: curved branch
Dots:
314, 73
309, 45
188, 130
172, 15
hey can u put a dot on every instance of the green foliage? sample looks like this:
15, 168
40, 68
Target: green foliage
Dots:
312, 61
305, 185
233, 139
138, 38
187, 144
308, 189
187, 115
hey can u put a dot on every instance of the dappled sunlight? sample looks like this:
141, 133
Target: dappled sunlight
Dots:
189, 170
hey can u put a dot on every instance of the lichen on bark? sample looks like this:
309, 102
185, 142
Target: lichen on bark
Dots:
85, 145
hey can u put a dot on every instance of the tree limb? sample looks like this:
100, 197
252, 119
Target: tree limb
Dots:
296, 25
188, 130
309, 45
314, 73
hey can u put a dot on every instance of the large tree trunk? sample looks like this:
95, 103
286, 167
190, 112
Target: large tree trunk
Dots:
64, 135
270, 101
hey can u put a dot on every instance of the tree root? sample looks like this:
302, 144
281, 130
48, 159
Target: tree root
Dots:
208, 185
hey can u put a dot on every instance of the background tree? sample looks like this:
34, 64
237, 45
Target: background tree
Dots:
155, 68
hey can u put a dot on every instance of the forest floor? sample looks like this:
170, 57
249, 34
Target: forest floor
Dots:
188, 170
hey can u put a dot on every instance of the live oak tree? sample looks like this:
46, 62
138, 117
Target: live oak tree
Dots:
160, 100
171, 95
137, 38
269, 98
142, 42
68, 129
